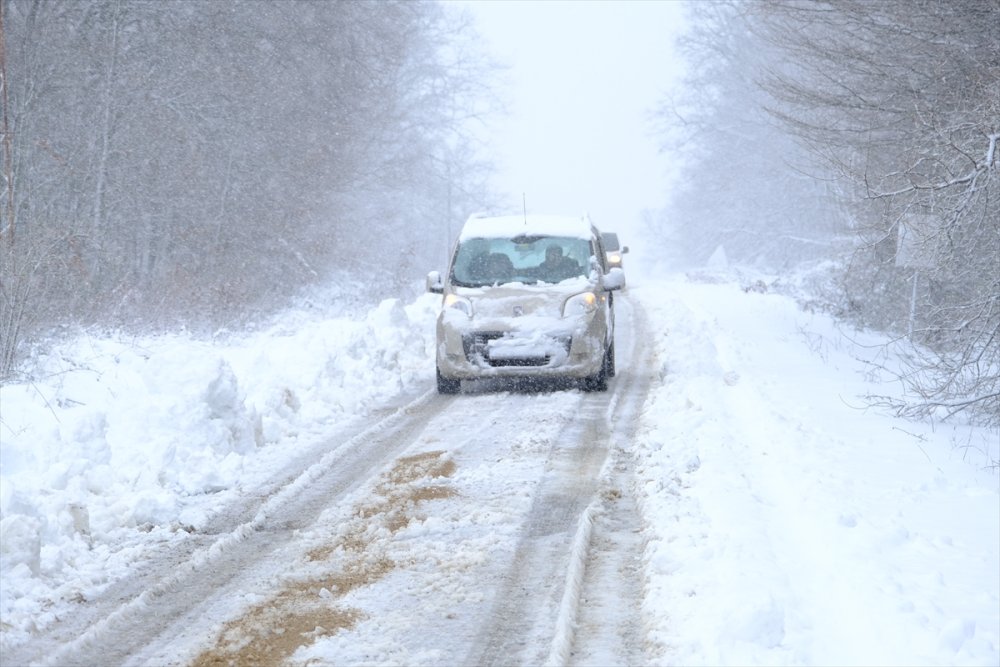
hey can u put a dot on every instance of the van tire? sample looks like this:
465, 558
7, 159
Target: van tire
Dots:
447, 385
598, 381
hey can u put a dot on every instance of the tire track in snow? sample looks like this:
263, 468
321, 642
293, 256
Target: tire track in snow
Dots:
135, 624
609, 617
523, 619
537, 608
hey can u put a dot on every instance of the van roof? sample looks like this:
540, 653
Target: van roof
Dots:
506, 226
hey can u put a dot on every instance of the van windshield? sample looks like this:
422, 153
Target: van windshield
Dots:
525, 259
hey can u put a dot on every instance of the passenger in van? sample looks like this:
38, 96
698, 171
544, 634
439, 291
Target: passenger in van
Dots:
501, 269
556, 266
479, 267
491, 268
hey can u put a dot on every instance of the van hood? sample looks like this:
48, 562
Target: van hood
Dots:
515, 300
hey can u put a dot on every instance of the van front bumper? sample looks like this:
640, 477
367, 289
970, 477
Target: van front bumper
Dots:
468, 354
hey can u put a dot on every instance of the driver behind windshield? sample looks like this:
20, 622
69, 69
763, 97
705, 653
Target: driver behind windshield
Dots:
557, 266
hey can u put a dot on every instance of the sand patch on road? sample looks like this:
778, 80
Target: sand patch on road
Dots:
301, 612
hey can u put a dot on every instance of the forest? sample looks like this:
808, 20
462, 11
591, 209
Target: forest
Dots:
864, 135
197, 163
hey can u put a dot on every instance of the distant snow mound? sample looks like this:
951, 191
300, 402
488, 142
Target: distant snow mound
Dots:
718, 261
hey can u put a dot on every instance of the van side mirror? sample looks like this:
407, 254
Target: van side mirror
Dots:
434, 283
614, 279
624, 249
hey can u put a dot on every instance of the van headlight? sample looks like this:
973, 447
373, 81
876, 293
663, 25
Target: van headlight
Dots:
458, 303
580, 304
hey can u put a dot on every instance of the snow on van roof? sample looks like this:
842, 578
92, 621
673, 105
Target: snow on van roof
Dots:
506, 226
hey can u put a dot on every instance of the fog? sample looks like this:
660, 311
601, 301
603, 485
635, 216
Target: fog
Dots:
201, 165
583, 80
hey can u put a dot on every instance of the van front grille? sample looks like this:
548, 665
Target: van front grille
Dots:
476, 346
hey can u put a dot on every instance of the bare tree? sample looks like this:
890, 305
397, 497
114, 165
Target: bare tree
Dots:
748, 185
880, 116
200, 162
7, 224
902, 100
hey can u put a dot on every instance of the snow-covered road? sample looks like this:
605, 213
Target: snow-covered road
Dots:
453, 530
305, 496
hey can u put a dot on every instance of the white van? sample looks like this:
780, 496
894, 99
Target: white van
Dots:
527, 296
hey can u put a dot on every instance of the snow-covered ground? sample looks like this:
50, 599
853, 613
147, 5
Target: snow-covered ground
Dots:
790, 524
784, 522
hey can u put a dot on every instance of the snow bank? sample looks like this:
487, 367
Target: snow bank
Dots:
120, 437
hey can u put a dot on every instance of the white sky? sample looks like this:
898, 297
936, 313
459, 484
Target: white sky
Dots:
584, 77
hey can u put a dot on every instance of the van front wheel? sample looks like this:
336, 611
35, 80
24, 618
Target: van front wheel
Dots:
446, 385
598, 381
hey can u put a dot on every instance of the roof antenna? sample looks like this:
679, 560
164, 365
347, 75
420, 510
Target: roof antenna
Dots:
524, 203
